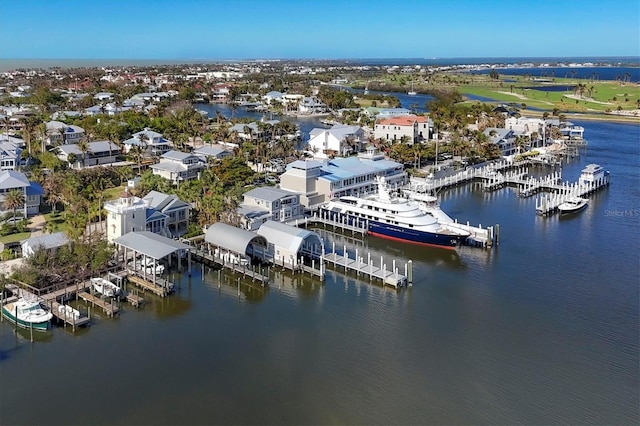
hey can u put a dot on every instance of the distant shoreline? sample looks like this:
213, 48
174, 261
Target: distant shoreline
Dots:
12, 64
614, 118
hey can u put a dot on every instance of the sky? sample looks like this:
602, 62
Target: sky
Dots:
322, 29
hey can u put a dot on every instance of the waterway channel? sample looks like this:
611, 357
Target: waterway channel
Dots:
542, 329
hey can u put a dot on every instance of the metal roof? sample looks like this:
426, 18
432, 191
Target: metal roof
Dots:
268, 193
286, 236
231, 238
47, 241
151, 245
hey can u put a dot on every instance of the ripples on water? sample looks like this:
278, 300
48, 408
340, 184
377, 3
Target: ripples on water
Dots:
542, 329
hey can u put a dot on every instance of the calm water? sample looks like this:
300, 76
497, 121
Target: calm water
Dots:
542, 330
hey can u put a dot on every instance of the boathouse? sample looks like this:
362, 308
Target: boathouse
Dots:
154, 247
290, 244
235, 244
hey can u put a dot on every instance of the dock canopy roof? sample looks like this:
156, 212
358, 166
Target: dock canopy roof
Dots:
288, 237
151, 245
233, 239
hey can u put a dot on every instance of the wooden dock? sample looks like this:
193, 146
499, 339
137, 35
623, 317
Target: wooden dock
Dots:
67, 316
359, 266
366, 267
250, 271
162, 287
109, 307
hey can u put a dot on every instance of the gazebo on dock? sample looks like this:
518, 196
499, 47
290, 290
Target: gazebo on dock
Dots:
234, 244
154, 247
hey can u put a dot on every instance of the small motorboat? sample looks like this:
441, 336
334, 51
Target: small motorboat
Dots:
105, 287
573, 205
28, 314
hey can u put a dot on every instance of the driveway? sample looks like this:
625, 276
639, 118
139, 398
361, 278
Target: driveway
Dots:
37, 225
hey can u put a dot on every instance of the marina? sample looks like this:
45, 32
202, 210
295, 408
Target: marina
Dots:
466, 320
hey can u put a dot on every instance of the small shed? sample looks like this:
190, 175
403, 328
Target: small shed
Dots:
48, 242
237, 241
290, 244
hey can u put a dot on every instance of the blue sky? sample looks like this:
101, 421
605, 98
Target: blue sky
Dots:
243, 29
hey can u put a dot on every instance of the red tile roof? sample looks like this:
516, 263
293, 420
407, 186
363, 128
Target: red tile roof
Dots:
403, 120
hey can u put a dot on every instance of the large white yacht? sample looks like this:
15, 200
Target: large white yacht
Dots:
394, 218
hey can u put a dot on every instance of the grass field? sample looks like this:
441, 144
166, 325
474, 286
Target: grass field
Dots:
597, 97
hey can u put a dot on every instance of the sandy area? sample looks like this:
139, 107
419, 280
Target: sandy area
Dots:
8, 266
517, 95
629, 112
580, 98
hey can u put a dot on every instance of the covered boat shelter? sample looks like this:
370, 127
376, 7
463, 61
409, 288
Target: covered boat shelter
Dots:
291, 245
235, 243
154, 247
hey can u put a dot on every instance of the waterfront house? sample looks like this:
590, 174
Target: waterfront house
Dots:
504, 138
152, 143
178, 166
157, 212
220, 92
246, 130
33, 192
176, 212
414, 128
99, 153
320, 181
311, 105
273, 96
339, 140
59, 133
48, 242
269, 203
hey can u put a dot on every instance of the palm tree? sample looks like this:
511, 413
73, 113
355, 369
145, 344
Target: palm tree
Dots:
84, 148
13, 199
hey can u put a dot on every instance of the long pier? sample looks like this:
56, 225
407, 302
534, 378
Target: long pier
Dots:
358, 265
501, 174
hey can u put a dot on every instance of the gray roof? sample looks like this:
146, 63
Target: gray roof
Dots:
211, 151
286, 236
10, 179
164, 202
268, 193
176, 155
47, 241
170, 166
99, 146
151, 245
231, 238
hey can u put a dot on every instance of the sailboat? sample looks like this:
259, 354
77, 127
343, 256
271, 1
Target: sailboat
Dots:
412, 92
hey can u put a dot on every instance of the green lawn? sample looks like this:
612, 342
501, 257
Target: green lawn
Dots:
15, 237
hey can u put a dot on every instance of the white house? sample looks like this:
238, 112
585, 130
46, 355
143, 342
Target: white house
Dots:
153, 143
269, 203
178, 166
59, 133
10, 153
414, 128
311, 105
339, 140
